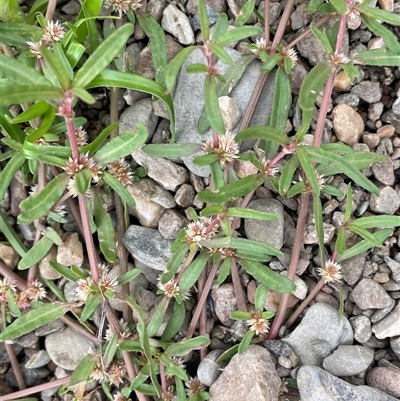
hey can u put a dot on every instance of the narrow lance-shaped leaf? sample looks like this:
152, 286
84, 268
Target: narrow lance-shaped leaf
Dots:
378, 221
158, 315
175, 322
378, 14
260, 297
246, 340
287, 175
92, 302
36, 253
12, 237
184, 347
171, 150
221, 53
349, 204
362, 232
121, 146
321, 36
36, 110
193, 271
266, 133
245, 13
238, 34
309, 169
340, 243
253, 246
12, 130
9, 171
65, 271
38, 205
33, 319
212, 105
102, 56
83, 370
128, 276
17, 94
205, 29
379, 57
319, 226
250, 214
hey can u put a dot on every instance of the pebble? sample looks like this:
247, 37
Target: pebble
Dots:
31, 376
379, 314
371, 140
383, 172
70, 252
224, 303
230, 112
39, 359
387, 5
349, 99
386, 379
248, 376
396, 106
313, 342
353, 268
389, 326
316, 384
209, 370
348, 360
48, 328
46, 270
368, 91
386, 131
394, 266
177, 23
148, 246
362, 328
387, 202
278, 347
395, 346
369, 294
300, 17
347, 124
310, 235
268, 231
375, 110
342, 81
165, 172
70, 292
171, 223
301, 286
8, 256
185, 195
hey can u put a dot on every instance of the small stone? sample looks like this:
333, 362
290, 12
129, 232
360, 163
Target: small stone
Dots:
349, 99
375, 111
248, 376
177, 24
389, 326
387, 202
39, 359
244, 168
67, 348
385, 379
386, 131
396, 107
368, 91
268, 231
342, 81
224, 303
300, 17
48, 328
230, 112
352, 268
387, 5
347, 124
8, 256
70, 293
362, 328
348, 360
301, 286
372, 140
171, 223
31, 376
46, 270
310, 235
395, 346
278, 347
209, 370
148, 246
394, 266
379, 314
70, 252
369, 294
384, 172
185, 195
71, 8
28, 231
165, 172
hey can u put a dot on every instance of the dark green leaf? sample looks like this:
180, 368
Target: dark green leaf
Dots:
362, 232
211, 210
260, 297
65, 271
265, 133
240, 315
308, 169
175, 322
193, 271
253, 246
220, 27
128, 276
82, 371
174, 262
171, 150
83, 180
250, 214
158, 316
205, 160
36, 110
245, 13
287, 175
319, 226
111, 349
339, 5
377, 14
217, 175
83, 94
182, 348
224, 270
196, 68
221, 53
18, 94
11, 236
212, 105
95, 145
378, 221
205, 29
323, 39
246, 340
340, 243
122, 192
349, 204
379, 57
92, 302
9, 172
237, 34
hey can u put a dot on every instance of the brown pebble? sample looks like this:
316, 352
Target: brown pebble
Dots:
386, 379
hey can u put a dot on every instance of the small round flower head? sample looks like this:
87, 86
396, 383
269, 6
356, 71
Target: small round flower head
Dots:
83, 290
331, 272
53, 32
258, 324
81, 136
123, 334
36, 291
71, 187
260, 45
34, 48
98, 373
194, 387
168, 395
107, 281
22, 300
198, 230
226, 148
76, 165
121, 171
170, 289
321, 181
268, 169
6, 284
339, 58
292, 54
116, 373
123, 6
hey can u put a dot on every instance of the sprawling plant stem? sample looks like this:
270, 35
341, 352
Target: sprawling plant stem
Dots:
306, 197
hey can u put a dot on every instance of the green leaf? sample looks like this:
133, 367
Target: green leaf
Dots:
33, 319
105, 229
260, 297
158, 44
174, 262
171, 150
362, 232
228, 354
90, 24
11, 236
246, 340
349, 204
245, 13
95, 145
217, 175
221, 53
111, 349
265, 133
211, 105
9, 171
266, 276
36, 253
158, 316
327, 158
240, 315
18, 94
328, 189
182, 348
121, 146
323, 39
237, 34
364, 245
172, 71
287, 175
205, 29
319, 226
82, 371
313, 5
12, 130
379, 57
58, 64
196, 68
130, 345
92, 302
378, 221
388, 36
180, 389
128, 276
270, 62
205, 160
296, 189
193, 271
351, 71
231, 191
212, 210
102, 56
65, 271
74, 52
220, 26
253, 246
250, 214
20, 74
312, 85
38, 205
339, 5
224, 270
36, 110
377, 14
308, 169
12, 304
175, 322
340, 243
83, 94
